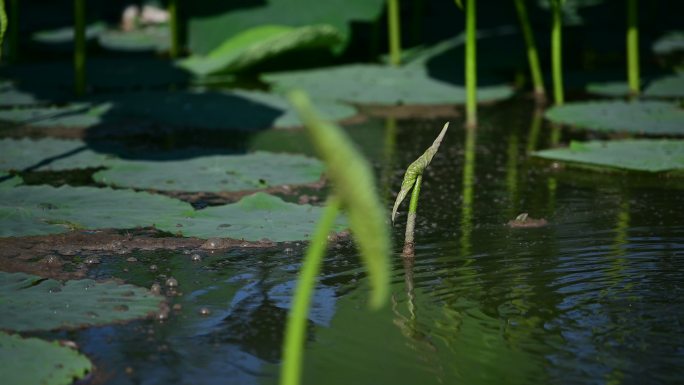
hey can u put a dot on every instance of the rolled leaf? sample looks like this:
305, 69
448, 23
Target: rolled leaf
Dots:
416, 168
354, 184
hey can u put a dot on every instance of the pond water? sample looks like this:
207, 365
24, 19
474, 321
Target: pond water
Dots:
593, 297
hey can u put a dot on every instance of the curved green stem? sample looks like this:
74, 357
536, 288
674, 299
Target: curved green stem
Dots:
532, 55
394, 30
295, 332
556, 52
13, 26
471, 65
79, 47
633, 46
411, 219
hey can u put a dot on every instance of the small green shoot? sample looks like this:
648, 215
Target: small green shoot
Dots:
412, 180
354, 190
633, 47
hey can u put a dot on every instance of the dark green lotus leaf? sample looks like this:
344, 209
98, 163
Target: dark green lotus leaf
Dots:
669, 43
36, 210
258, 44
151, 38
11, 95
377, 84
35, 361
239, 110
253, 218
615, 89
229, 19
6, 180
102, 73
642, 117
78, 115
667, 87
215, 173
49, 154
638, 155
65, 35
30, 303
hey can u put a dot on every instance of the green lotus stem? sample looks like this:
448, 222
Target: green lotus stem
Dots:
468, 191
13, 26
556, 51
3, 24
633, 47
532, 55
394, 30
79, 47
535, 126
471, 65
295, 330
173, 28
411, 219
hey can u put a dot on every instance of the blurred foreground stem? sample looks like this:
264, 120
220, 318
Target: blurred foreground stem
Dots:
532, 55
556, 52
394, 30
633, 46
471, 65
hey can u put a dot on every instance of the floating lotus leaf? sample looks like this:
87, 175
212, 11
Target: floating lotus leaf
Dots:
30, 303
35, 361
615, 89
378, 84
152, 38
670, 43
667, 87
35, 210
215, 173
7, 180
65, 35
228, 19
258, 44
253, 218
49, 154
639, 155
240, 110
11, 95
642, 117
79, 115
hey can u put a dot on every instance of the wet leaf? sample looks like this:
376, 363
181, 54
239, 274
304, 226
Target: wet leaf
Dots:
35, 361
49, 154
667, 87
639, 155
253, 171
257, 44
354, 185
78, 115
416, 168
64, 36
35, 210
253, 218
150, 38
31, 303
7, 180
641, 117
378, 84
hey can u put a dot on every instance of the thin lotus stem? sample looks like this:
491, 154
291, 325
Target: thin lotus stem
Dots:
3, 24
79, 47
633, 46
556, 52
13, 26
532, 55
411, 219
295, 332
533, 136
173, 27
471, 65
394, 30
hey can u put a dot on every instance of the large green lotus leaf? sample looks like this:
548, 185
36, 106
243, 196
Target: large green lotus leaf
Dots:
11, 95
639, 155
377, 84
35, 361
641, 117
615, 89
211, 23
239, 110
49, 154
78, 115
29, 302
667, 87
101, 73
36, 210
65, 35
253, 218
7, 180
152, 38
258, 44
214, 173
669, 43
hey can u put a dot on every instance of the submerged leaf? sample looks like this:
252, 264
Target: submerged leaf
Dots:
416, 168
35, 361
354, 184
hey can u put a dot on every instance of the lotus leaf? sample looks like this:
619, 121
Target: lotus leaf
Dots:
615, 89
258, 44
7, 180
667, 87
642, 117
152, 38
35, 210
11, 96
65, 35
639, 155
229, 19
253, 218
48, 154
215, 173
30, 303
35, 361
377, 84
79, 115
670, 43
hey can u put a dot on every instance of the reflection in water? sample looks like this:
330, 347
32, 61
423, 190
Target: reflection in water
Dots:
390, 144
535, 126
468, 191
512, 174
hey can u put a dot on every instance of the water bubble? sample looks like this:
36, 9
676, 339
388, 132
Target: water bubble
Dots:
52, 260
204, 311
172, 282
153, 267
92, 260
156, 288
196, 257
131, 259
